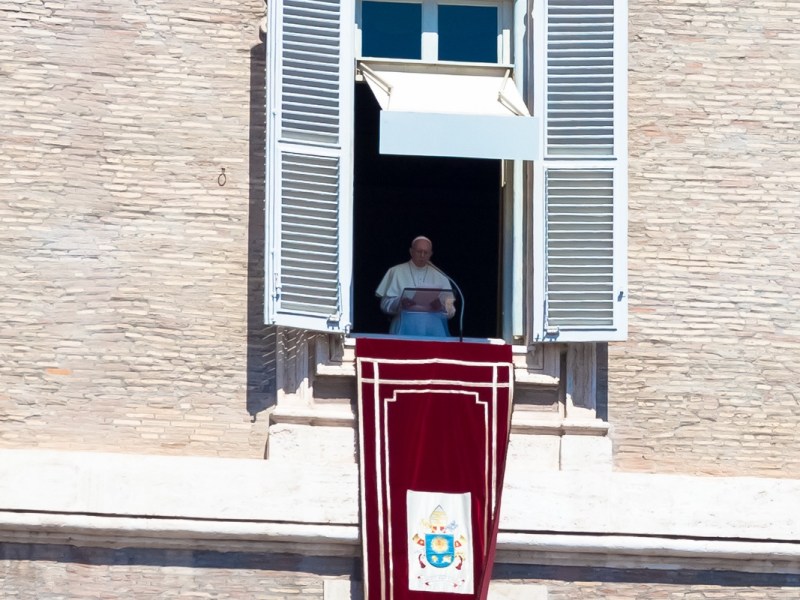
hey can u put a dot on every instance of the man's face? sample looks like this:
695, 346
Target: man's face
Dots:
421, 253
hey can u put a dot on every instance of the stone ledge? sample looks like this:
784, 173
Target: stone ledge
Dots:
522, 376
529, 365
535, 423
178, 487
336, 369
344, 589
116, 531
522, 421
204, 488
320, 540
559, 518
643, 504
525, 377
630, 552
317, 416
584, 427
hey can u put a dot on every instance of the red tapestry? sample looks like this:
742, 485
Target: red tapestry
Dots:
434, 421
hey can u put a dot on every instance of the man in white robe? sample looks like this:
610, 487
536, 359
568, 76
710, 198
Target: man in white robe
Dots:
420, 314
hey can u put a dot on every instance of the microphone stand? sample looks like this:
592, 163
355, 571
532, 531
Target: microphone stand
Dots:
461, 295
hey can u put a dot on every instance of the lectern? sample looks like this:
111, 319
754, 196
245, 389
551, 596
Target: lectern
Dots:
423, 312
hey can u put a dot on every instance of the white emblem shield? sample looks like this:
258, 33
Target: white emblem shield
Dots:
439, 542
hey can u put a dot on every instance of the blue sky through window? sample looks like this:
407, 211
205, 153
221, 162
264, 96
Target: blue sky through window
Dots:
468, 33
391, 30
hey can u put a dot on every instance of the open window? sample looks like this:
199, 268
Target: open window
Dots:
457, 202
438, 118
542, 209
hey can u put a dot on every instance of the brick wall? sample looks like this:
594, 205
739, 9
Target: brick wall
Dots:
130, 279
709, 380
583, 583
50, 572
55, 572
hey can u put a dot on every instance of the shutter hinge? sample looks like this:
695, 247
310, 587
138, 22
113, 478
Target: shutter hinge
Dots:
277, 287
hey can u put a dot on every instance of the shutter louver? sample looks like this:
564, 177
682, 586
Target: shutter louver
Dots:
580, 198
580, 78
308, 153
580, 244
310, 228
310, 90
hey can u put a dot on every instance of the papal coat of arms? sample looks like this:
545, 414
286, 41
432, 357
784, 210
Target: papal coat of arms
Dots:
440, 548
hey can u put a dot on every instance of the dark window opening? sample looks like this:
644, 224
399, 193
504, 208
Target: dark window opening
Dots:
454, 201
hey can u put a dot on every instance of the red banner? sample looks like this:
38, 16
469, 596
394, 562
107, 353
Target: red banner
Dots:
434, 421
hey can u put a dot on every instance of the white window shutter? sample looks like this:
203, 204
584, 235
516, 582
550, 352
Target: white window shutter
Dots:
310, 70
580, 78
580, 200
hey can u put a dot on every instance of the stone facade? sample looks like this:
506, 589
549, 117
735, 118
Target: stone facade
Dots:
131, 261
132, 286
131, 294
708, 381
54, 572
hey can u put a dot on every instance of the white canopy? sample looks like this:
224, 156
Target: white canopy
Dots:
449, 109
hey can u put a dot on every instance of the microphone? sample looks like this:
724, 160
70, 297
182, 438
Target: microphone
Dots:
461, 295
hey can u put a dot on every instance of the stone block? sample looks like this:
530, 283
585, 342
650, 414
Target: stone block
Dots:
586, 453
316, 444
533, 453
501, 590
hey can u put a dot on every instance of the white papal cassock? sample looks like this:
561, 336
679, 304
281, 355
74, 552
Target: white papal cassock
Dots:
409, 322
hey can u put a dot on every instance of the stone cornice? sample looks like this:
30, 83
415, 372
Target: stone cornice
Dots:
560, 518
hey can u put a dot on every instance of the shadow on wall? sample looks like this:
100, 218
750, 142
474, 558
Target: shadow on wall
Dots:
261, 338
681, 577
601, 402
305, 570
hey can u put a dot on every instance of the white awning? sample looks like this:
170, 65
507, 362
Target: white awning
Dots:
462, 110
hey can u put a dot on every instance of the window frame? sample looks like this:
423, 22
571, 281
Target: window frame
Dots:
514, 19
430, 25
524, 293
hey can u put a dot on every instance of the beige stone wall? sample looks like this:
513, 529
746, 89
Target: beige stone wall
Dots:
55, 572
130, 286
647, 590
709, 380
584, 583
130, 280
